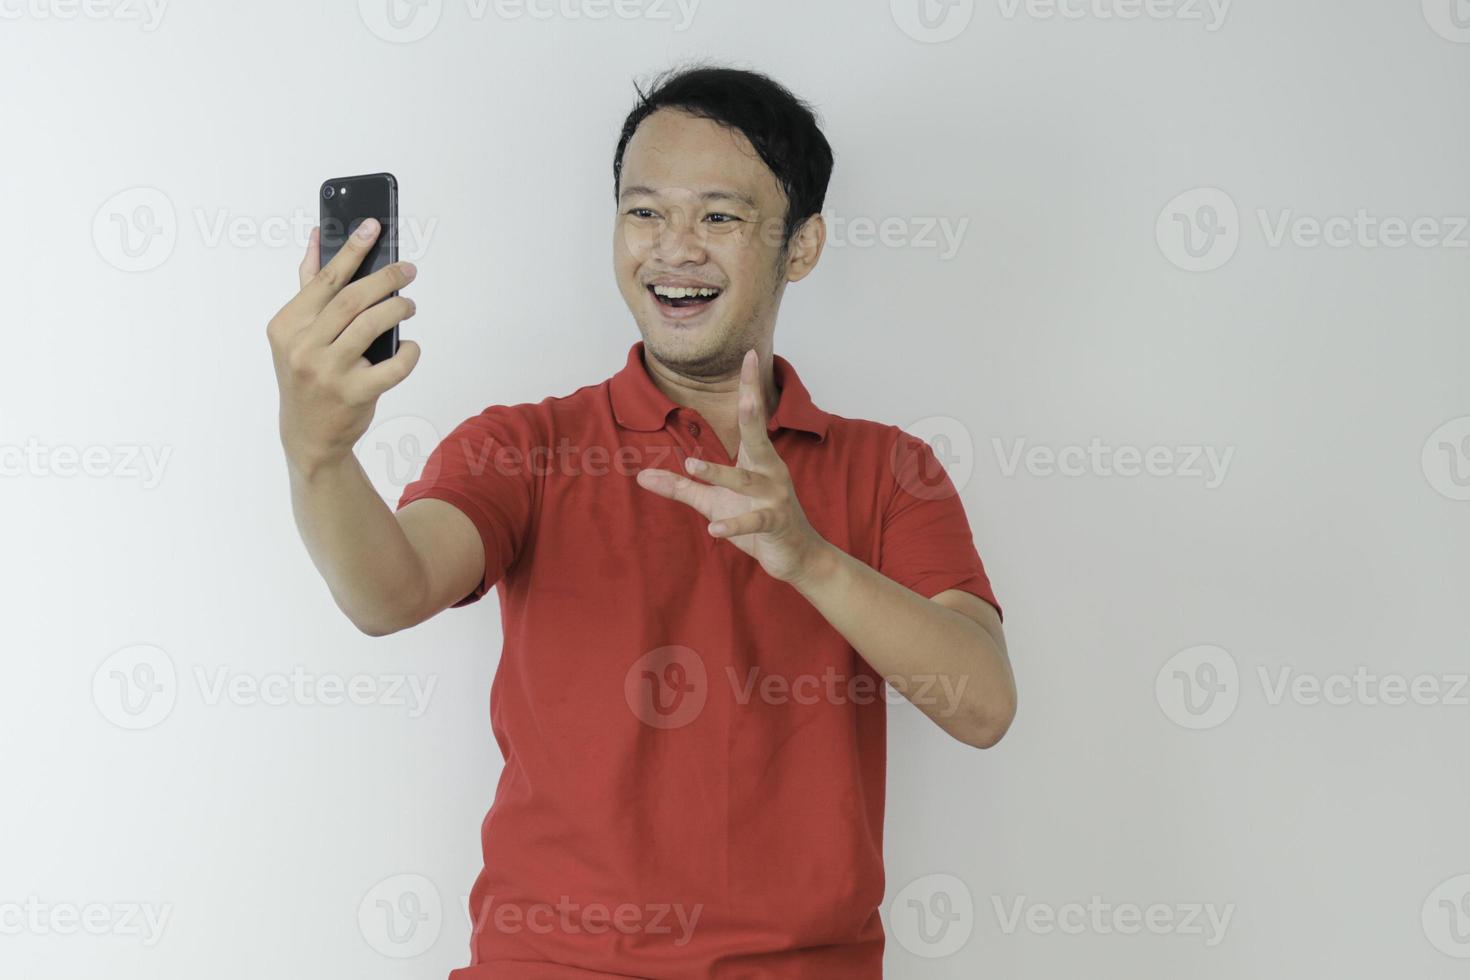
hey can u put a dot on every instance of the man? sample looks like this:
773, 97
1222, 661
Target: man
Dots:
704, 579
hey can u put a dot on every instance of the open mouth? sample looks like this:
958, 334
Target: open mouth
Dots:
684, 297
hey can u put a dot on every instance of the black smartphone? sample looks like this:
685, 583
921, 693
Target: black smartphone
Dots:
346, 202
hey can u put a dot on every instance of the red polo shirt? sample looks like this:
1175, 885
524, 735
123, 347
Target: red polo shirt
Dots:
694, 757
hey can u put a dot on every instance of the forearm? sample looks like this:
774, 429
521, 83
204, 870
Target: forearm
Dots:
357, 544
947, 664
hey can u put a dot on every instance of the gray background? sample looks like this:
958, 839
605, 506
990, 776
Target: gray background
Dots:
1152, 618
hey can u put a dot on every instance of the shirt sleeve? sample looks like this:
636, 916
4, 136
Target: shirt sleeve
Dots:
481, 469
927, 545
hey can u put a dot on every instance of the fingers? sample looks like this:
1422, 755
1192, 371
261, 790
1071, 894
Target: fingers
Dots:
311, 262
326, 281
754, 438
736, 478
674, 487
368, 325
751, 522
347, 304
768, 497
378, 378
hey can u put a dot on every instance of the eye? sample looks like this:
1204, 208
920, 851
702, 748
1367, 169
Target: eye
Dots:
725, 218
641, 212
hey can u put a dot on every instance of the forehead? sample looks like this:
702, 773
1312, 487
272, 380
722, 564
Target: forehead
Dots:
674, 150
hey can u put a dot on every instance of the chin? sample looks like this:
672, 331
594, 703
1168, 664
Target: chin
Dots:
697, 349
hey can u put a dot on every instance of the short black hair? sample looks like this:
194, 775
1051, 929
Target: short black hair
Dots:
782, 128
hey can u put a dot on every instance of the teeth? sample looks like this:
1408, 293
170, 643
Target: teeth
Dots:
681, 292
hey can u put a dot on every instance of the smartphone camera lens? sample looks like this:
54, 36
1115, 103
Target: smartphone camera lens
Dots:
328, 191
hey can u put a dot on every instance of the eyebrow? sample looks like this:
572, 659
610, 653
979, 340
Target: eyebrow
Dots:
712, 195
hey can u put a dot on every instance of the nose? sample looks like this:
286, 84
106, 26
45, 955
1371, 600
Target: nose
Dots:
680, 241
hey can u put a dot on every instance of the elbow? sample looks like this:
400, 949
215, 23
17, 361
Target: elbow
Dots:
375, 629
385, 609
379, 621
987, 727
385, 622
986, 737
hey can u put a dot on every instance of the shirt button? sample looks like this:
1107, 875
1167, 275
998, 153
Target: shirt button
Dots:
694, 429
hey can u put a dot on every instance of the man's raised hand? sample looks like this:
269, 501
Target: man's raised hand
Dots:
753, 503
328, 388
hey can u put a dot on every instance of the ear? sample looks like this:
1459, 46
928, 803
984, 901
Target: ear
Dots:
805, 247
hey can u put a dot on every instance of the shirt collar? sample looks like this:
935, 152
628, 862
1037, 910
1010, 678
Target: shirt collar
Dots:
637, 402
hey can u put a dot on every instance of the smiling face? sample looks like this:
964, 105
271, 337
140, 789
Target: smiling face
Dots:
697, 243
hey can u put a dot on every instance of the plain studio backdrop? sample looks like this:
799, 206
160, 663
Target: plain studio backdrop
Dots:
1179, 290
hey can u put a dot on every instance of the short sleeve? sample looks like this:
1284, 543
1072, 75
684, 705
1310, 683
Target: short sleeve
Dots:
480, 469
927, 545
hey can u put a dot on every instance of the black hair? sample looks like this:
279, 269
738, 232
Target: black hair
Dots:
782, 128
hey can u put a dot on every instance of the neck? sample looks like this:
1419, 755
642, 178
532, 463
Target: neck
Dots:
715, 398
